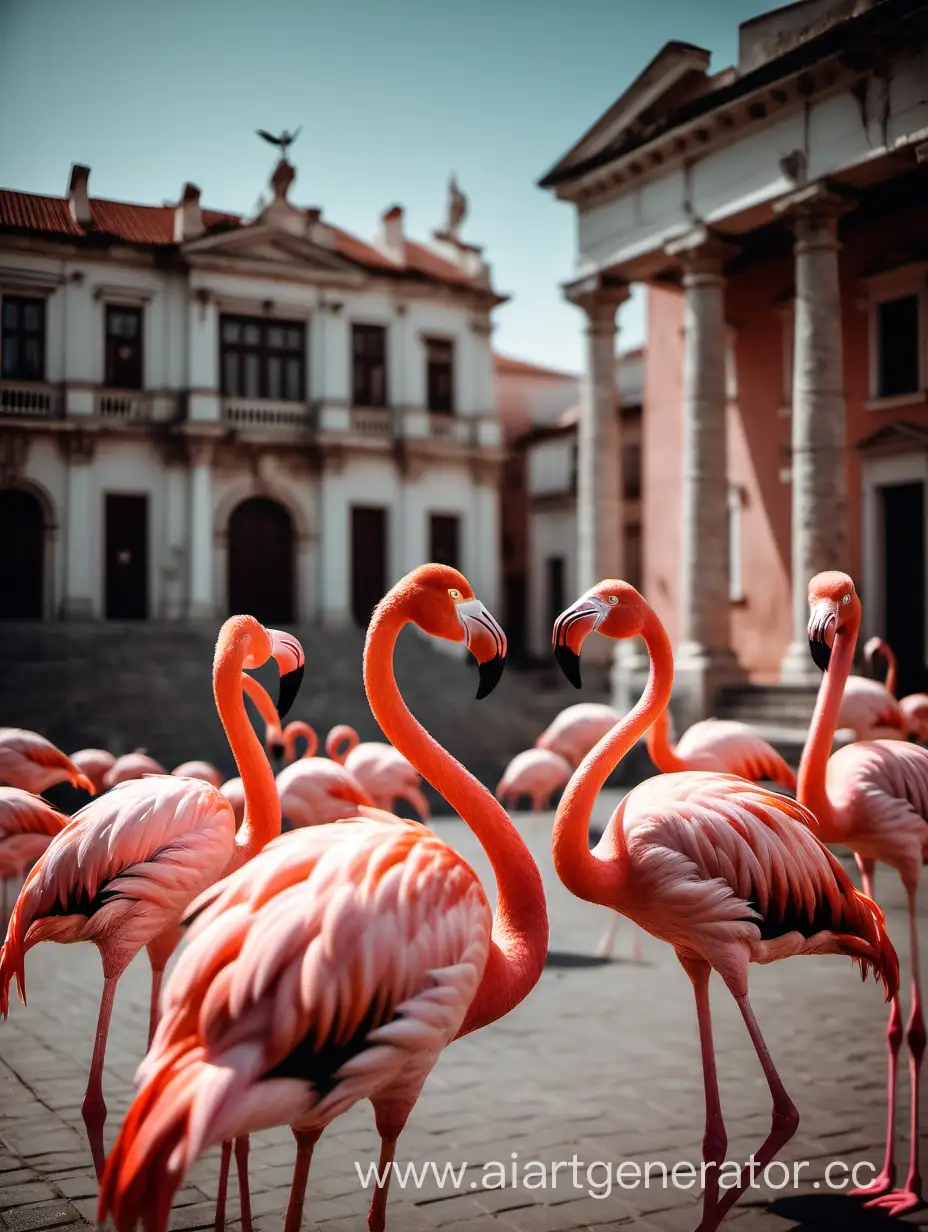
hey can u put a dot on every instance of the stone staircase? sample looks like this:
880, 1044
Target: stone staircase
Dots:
780, 713
124, 686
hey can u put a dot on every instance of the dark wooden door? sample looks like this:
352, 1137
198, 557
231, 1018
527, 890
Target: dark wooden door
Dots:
904, 581
554, 584
22, 555
445, 539
368, 560
261, 562
126, 557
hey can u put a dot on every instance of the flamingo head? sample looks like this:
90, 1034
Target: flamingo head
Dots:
264, 644
611, 607
834, 612
442, 603
274, 742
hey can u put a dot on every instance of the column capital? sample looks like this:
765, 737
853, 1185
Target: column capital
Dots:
702, 252
600, 296
814, 212
77, 448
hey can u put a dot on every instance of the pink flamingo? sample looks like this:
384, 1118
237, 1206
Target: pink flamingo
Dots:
131, 766
29, 761
94, 763
727, 872
125, 869
576, 729
914, 706
382, 771
536, 773
27, 825
722, 745
314, 790
871, 797
342, 961
869, 709
233, 789
199, 770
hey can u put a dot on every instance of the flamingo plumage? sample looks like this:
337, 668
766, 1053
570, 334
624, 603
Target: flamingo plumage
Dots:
125, 869
722, 745
577, 729
382, 770
914, 706
204, 770
131, 766
340, 963
27, 825
725, 871
316, 790
536, 773
95, 763
29, 761
873, 798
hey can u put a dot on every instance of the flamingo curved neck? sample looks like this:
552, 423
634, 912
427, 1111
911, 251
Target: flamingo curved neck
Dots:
660, 750
891, 670
265, 707
293, 732
340, 735
584, 873
519, 943
812, 790
262, 803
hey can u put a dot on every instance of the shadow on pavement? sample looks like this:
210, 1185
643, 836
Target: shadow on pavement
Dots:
566, 959
830, 1212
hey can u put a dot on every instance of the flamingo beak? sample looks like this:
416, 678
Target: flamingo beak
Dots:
823, 624
571, 629
290, 661
486, 641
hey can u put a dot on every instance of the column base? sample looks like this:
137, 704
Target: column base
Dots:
797, 666
631, 666
76, 609
700, 671
198, 611
337, 620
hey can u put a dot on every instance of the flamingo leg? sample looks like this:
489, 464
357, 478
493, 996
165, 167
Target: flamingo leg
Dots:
785, 1120
389, 1126
898, 1201
305, 1142
884, 1182
157, 975
867, 874
608, 941
224, 1165
244, 1194
93, 1109
715, 1140
4, 914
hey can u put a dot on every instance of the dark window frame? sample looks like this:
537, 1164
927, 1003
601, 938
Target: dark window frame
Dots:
264, 352
368, 364
440, 359
19, 370
113, 340
441, 522
891, 363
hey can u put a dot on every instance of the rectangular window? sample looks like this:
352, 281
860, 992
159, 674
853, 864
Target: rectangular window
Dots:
439, 375
631, 471
369, 365
445, 539
735, 580
555, 586
634, 563
23, 338
898, 339
123, 347
262, 358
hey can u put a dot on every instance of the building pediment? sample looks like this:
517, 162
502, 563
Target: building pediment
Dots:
267, 246
897, 437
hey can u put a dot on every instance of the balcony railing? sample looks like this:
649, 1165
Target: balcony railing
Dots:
28, 400
450, 428
125, 406
263, 413
372, 421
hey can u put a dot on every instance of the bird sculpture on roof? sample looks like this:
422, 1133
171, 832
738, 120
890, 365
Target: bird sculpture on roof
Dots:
284, 141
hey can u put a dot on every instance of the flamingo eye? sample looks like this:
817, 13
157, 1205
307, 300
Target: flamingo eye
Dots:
846, 598
455, 594
612, 598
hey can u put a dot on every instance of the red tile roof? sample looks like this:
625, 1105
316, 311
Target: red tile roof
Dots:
154, 225
505, 365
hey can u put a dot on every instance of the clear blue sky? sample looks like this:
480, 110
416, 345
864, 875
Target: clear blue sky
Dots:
392, 96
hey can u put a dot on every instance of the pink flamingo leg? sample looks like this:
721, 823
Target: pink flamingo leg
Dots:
898, 1201
157, 975
867, 875
305, 1142
241, 1164
784, 1125
715, 1140
93, 1109
224, 1165
884, 1182
389, 1126
608, 941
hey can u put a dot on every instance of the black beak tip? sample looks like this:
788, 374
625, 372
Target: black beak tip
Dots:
289, 687
569, 663
490, 674
821, 653
277, 750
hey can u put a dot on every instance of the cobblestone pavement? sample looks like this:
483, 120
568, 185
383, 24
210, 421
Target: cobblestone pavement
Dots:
601, 1062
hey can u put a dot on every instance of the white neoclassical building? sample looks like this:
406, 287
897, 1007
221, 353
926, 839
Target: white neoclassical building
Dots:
202, 413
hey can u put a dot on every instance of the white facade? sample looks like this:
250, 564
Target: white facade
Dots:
195, 447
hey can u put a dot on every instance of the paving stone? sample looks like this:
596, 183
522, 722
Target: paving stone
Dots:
41, 1215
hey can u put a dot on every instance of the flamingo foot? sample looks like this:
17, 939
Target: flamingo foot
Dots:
880, 1185
897, 1201
93, 1111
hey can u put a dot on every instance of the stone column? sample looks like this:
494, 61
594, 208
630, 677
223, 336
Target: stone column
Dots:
83, 528
201, 602
819, 444
704, 658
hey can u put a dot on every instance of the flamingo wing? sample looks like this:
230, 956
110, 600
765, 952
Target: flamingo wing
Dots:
29, 761
335, 965
736, 749
868, 705
23, 813
915, 710
128, 863
729, 862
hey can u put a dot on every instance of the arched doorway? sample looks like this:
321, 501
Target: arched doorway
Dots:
261, 561
22, 559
